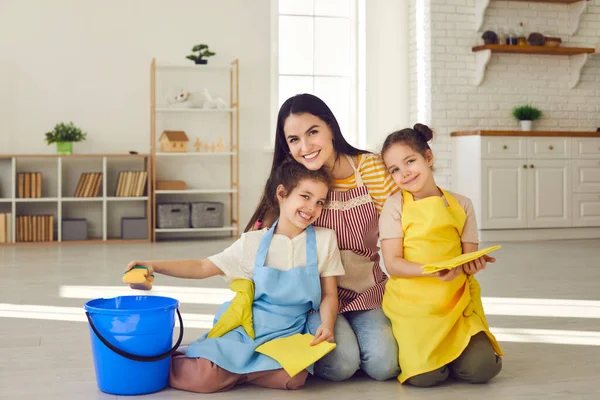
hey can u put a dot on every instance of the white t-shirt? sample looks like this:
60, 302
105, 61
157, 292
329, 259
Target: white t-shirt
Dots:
237, 261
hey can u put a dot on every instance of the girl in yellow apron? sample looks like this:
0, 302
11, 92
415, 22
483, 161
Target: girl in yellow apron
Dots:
437, 319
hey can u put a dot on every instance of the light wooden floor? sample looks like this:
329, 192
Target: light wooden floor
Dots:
51, 359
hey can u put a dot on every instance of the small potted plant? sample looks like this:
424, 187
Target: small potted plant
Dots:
203, 51
526, 115
64, 135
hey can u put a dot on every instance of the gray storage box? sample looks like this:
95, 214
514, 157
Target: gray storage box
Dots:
173, 215
207, 214
74, 229
134, 228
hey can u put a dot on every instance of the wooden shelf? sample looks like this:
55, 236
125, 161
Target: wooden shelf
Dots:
198, 154
194, 67
159, 111
78, 199
133, 198
578, 56
550, 51
194, 110
74, 155
89, 241
526, 133
37, 200
197, 191
576, 8
222, 229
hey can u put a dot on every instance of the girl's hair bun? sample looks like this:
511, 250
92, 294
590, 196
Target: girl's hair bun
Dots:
424, 131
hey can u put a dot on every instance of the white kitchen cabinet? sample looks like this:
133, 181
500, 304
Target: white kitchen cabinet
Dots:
529, 180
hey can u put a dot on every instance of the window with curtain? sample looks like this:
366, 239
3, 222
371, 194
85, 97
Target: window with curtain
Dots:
317, 53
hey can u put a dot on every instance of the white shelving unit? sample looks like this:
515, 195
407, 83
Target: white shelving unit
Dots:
54, 186
211, 188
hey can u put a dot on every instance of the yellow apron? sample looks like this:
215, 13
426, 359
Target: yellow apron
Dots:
433, 321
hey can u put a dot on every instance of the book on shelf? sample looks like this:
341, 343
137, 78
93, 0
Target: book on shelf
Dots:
131, 183
89, 185
29, 185
35, 228
6, 228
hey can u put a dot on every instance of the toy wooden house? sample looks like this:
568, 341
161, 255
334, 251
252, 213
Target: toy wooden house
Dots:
173, 141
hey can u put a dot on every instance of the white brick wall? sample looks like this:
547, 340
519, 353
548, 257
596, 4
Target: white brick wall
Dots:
510, 80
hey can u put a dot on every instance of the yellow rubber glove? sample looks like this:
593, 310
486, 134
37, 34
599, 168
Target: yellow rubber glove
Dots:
239, 312
476, 305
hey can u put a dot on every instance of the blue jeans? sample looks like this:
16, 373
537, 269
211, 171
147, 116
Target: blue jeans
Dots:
364, 341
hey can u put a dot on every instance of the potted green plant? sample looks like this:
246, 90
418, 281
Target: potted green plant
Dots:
203, 51
526, 115
64, 135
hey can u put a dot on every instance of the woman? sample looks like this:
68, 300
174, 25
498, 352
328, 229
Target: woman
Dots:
308, 132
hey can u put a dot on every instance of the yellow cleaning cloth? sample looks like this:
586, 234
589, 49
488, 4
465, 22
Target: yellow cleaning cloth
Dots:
138, 278
295, 353
456, 261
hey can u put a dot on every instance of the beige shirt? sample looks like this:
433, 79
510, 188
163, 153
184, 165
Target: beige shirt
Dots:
390, 221
237, 261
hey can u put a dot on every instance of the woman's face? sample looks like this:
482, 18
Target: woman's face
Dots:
310, 140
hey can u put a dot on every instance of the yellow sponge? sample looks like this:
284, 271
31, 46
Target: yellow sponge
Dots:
138, 278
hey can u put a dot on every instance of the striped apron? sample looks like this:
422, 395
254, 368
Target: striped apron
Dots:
354, 218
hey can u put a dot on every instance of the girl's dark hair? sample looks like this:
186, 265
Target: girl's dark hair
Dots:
416, 138
289, 174
299, 104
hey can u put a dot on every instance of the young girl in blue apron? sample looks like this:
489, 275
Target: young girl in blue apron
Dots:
293, 266
438, 321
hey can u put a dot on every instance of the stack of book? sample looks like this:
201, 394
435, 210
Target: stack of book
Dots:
131, 183
29, 185
35, 228
5, 228
89, 184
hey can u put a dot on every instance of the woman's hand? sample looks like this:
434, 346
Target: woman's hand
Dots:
449, 275
473, 267
323, 333
146, 264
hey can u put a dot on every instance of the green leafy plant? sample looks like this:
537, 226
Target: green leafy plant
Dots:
203, 51
526, 113
65, 133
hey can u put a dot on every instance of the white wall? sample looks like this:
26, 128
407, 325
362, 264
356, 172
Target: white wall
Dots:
387, 90
457, 104
89, 62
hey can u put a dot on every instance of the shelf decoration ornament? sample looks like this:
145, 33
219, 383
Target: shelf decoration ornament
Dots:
526, 114
64, 135
203, 51
180, 100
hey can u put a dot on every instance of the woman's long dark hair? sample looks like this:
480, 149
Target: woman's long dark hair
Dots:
298, 104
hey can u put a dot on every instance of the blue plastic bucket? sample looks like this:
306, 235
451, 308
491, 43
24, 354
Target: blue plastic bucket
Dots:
132, 339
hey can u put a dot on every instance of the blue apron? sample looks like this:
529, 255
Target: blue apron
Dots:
282, 300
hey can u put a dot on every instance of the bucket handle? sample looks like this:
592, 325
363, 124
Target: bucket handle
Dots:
135, 357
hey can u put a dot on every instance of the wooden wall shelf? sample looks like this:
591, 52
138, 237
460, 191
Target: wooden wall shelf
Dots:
544, 50
576, 9
578, 56
526, 133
